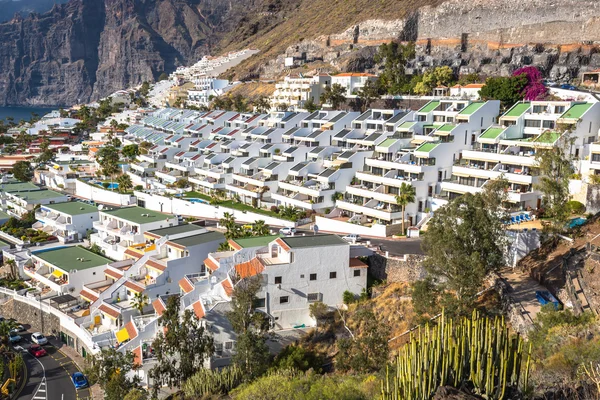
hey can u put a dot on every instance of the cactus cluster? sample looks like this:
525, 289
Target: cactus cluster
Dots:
209, 382
477, 352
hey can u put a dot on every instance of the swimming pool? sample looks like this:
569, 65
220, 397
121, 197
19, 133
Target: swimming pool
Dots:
575, 222
195, 200
112, 185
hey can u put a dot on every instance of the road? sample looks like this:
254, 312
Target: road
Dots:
49, 377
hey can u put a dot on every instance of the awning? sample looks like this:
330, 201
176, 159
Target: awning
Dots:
122, 335
57, 273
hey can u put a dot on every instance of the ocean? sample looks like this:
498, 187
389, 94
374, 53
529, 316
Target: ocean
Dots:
19, 113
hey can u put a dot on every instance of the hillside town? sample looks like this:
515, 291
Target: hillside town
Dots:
163, 203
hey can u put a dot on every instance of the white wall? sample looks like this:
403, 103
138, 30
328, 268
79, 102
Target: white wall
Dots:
201, 210
330, 225
96, 193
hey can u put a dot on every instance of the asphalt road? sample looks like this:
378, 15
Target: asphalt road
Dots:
49, 377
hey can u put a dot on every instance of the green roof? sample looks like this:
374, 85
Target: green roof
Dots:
4, 215
471, 108
202, 238
548, 137
387, 142
406, 125
73, 162
256, 241
4, 244
427, 147
492, 133
177, 229
39, 195
69, 258
432, 105
72, 208
576, 111
446, 127
19, 187
296, 242
134, 214
517, 110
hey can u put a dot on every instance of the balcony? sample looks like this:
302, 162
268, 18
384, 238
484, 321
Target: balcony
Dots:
169, 176
42, 274
372, 208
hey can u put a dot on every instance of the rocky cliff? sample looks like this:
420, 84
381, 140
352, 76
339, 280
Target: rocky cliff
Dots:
85, 49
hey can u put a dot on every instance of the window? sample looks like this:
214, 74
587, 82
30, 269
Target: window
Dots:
314, 297
313, 277
277, 280
548, 124
284, 299
533, 123
218, 348
357, 272
228, 345
302, 276
259, 303
332, 275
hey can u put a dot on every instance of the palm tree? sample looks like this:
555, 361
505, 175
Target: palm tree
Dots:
5, 328
224, 246
261, 192
260, 228
140, 300
406, 195
228, 222
262, 105
124, 182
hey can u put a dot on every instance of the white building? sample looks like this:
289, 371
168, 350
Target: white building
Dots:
295, 90
352, 81
69, 222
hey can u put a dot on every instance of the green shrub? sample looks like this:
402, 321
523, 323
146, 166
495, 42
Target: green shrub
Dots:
348, 297
576, 207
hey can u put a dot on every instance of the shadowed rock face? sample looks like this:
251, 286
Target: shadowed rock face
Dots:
85, 49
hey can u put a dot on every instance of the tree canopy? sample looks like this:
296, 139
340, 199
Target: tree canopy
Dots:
507, 90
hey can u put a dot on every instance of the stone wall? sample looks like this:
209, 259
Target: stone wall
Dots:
397, 269
592, 204
30, 315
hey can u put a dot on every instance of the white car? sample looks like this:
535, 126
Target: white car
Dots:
39, 338
353, 237
287, 231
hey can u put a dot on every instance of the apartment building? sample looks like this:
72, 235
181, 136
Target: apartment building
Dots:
120, 228
205, 88
418, 152
508, 149
296, 90
69, 222
352, 81
19, 203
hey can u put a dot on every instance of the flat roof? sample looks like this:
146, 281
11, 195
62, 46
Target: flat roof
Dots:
255, 241
548, 137
387, 142
69, 258
134, 214
576, 111
295, 242
427, 147
177, 229
471, 108
406, 125
517, 110
201, 238
446, 127
432, 105
492, 133
12, 187
4, 215
72, 208
4, 244
39, 195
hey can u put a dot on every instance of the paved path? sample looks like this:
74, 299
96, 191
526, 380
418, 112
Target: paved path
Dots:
523, 291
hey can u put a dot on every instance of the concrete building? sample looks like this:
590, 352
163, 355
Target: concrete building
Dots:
352, 81
296, 89
69, 222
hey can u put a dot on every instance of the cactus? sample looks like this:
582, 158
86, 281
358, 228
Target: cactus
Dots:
212, 382
478, 351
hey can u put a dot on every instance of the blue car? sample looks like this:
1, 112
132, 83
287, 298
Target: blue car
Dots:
567, 86
79, 380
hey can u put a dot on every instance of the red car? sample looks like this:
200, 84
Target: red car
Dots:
36, 350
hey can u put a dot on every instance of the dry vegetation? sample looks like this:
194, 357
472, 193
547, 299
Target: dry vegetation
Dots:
284, 23
252, 90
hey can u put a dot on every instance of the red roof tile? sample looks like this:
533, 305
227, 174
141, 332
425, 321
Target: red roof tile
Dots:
158, 306
198, 309
210, 264
133, 254
186, 285
137, 355
136, 287
88, 295
113, 274
227, 286
131, 330
282, 244
109, 311
156, 265
356, 263
250, 268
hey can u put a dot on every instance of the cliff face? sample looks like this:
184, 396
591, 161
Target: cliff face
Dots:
86, 49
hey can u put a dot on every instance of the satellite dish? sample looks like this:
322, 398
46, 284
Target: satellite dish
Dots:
100, 207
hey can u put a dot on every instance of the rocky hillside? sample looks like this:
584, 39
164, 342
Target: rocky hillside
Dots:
86, 49
8, 8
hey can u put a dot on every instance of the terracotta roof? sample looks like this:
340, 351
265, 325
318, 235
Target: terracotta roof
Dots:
474, 86
210, 264
109, 311
156, 265
250, 268
131, 330
227, 286
176, 245
356, 263
133, 254
234, 245
186, 285
134, 286
158, 306
88, 295
152, 235
283, 244
355, 74
137, 355
198, 309
113, 274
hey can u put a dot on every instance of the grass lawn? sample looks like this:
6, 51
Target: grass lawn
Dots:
196, 195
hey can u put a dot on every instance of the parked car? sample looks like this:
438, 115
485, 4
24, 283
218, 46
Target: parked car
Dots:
568, 86
39, 338
76, 308
14, 337
36, 350
79, 380
18, 328
287, 231
353, 238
